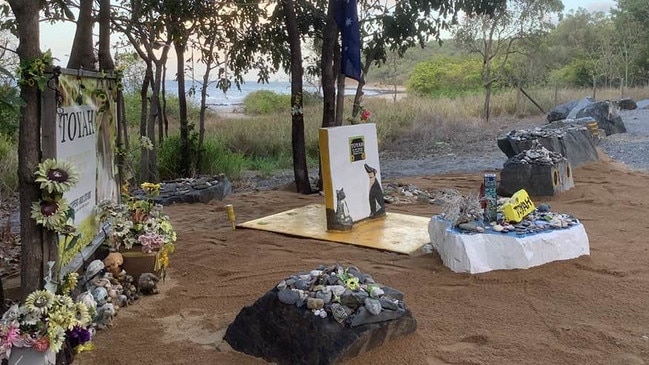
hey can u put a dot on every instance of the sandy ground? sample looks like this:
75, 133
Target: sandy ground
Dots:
590, 310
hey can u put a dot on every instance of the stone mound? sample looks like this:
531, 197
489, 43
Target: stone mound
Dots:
321, 317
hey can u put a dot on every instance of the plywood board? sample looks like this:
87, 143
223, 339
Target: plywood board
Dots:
399, 233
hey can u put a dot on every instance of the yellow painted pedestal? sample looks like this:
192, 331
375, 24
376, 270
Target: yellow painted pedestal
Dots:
396, 232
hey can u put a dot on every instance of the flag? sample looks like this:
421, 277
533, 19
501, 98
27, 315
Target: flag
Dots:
347, 19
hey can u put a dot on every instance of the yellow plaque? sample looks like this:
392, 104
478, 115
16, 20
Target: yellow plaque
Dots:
518, 206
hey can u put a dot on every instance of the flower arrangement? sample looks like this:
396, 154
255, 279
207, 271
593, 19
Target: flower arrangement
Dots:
140, 222
45, 320
55, 178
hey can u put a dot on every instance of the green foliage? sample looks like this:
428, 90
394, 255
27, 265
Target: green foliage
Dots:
266, 102
8, 166
10, 103
446, 76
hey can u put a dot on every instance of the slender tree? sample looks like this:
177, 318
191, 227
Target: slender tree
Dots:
31, 235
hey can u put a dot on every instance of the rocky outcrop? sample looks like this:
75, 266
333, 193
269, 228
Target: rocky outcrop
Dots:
571, 141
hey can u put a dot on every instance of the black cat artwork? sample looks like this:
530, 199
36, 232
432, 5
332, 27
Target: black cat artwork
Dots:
342, 210
340, 219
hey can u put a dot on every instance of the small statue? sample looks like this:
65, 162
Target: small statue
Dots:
105, 315
148, 284
128, 288
95, 268
112, 262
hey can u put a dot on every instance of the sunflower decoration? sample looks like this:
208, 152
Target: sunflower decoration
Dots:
56, 177
39, 301
51, 214
70, 281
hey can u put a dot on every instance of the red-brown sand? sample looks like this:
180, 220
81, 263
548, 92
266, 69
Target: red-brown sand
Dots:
590, 310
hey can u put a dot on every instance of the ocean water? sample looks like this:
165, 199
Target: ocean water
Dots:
234, 96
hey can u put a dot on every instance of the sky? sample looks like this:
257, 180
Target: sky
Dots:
59, 37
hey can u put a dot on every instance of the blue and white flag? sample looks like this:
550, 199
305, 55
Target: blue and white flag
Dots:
347, 19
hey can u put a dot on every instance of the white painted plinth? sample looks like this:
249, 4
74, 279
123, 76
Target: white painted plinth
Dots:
482, 252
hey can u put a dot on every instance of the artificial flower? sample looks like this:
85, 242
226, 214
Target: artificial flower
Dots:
146, 143
56, 176
39, 301
82, 314
10, 335
42, 344
51, 214
365, 115
70, 281
352, 283
56, 336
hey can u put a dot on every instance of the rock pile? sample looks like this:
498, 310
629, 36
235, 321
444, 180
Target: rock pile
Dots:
190, 190
324, 316
542, 219
347, 295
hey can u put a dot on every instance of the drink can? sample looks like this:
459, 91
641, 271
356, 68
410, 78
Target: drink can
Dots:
490, 197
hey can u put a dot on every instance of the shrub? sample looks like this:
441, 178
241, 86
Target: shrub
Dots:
266, 102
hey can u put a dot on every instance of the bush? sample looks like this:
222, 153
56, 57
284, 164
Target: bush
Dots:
8, 167
266, 102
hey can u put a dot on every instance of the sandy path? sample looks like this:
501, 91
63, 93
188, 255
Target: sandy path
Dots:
591, 310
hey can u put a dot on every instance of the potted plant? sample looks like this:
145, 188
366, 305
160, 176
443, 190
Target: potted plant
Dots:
140, 231
32, 333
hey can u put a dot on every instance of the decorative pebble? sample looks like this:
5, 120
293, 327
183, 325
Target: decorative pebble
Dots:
373, 306
337, 290
314, 303
288, 296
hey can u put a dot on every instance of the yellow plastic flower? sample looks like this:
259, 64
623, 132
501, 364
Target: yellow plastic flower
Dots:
39, 301
85, 347
82, 314
56, 176
57, 337
352, 283
70, 281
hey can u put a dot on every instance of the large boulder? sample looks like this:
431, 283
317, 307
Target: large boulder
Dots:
561, 111
627, 104
643, 104
580, 105
606, 115
571, 141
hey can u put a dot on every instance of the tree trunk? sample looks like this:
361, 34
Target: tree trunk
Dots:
487, 87
144, 109
165, 120
358, 98
82, 54
105, 59
340, 99
202, 112
329, 38
300, 170
31, 234
185, 167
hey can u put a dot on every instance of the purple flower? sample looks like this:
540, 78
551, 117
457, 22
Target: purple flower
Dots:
77, 336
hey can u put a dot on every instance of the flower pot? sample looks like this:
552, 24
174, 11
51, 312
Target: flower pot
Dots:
29, 355
137, 262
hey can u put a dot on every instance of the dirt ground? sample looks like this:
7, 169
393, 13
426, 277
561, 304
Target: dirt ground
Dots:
590, 310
